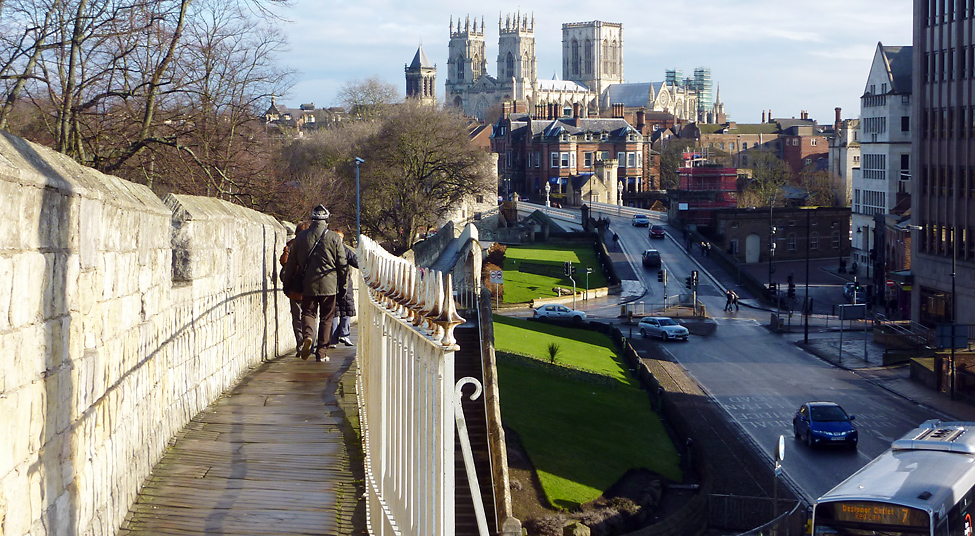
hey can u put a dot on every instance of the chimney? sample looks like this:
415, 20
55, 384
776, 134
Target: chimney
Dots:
575, 112
838, 121
769, 115
763, 116
618, 111
505, 109
641, 120
514, 106
539, 111
550, 114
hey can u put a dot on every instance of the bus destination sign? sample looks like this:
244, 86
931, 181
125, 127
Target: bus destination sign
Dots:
873, 513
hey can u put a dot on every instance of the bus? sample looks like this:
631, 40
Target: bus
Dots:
924, 484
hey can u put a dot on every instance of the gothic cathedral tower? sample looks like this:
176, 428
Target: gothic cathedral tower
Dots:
592, 54
466, 60
516, 54
421, 78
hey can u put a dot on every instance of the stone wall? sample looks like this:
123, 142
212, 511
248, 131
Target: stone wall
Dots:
121, 317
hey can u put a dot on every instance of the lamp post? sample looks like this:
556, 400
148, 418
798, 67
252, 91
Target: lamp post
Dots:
358, 202
619, 190
548, 189
954, 309
805, 329
771, 243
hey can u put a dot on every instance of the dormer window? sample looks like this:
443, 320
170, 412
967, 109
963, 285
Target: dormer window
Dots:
603, 136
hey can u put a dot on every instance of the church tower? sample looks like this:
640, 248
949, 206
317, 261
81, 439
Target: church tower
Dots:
421, 78
592, 54
516, 53
466, 60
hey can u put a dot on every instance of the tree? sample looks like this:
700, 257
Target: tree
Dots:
671, 160
419, 164
368, 99
769, 174
820, 186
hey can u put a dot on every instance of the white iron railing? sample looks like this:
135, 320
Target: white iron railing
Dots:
407, 397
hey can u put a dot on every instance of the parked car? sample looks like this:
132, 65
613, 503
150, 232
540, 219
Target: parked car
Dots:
850, 289
657, 231
651, 258
641, 220
663, 327
824, 423
557, 311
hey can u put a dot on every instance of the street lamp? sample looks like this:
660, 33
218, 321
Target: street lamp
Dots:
619, 189
954, 309
771, 243
358, 203
548, 189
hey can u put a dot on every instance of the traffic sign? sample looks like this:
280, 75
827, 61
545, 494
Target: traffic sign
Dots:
497, 277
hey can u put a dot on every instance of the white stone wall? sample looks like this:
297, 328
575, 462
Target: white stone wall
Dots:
104, 355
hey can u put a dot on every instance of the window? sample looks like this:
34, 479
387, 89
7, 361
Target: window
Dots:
731, 146
875, 166
734, 246
795, 142
573, 162
905, 123
836, 240
813, 142
807, 161
605, 155
814, 241
565, 160
721, 146
631, 160
538, 159
603, 136
555, 160
744, 146
791, 241
905, 167
620, 159
587, 159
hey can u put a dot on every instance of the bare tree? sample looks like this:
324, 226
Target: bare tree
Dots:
820, 185
769, 174
419, 165
368, 99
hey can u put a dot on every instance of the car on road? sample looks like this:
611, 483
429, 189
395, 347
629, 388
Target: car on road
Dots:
664, 327
824, 423
641, 220
557, 311
854, 290
651, 258
657, 231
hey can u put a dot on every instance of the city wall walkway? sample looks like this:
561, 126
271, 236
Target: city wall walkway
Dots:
268, 457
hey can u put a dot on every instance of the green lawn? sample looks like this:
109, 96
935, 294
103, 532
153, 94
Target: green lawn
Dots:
520, 287
580, 437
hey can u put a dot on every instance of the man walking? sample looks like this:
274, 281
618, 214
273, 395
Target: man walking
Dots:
318, 256
728, 299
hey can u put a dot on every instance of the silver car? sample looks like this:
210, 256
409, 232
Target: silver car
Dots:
556, 311
663, 327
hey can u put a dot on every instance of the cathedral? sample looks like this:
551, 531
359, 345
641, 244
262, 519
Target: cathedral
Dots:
592, 73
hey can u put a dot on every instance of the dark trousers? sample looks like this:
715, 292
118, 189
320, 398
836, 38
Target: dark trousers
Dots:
296, 321
324, 308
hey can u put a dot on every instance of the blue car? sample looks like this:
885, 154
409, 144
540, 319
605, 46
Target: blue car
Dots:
824, 423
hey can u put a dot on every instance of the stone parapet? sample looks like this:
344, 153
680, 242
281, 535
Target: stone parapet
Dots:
121, 317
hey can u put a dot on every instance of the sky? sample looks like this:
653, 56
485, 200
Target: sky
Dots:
780, 55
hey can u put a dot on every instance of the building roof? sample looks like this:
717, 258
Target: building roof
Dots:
633, 95
740, 128
421, 60
899, 63
561, 85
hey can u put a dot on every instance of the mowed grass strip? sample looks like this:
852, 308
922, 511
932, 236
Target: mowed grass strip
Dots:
580, 437
521, 287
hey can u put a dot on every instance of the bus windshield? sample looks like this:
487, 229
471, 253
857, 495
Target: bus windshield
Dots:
869, 518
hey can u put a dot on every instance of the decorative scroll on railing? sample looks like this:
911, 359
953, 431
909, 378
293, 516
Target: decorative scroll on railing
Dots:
405, 373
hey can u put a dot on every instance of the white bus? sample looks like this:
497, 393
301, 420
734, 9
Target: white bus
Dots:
922, 485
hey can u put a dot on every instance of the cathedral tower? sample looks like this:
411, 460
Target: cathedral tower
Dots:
592, 54
466, 59
421, 78
516, 51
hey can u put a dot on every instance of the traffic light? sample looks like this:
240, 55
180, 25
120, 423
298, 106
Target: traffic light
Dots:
572, 270
792, 290
689, 282
694, 276
660, 276
773, 289
567, 268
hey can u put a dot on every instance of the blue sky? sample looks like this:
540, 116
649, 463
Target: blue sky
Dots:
782, 55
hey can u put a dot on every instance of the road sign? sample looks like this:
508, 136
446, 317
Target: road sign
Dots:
497, 277
944, 336
853, 311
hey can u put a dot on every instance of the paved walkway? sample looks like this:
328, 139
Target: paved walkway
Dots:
268, 457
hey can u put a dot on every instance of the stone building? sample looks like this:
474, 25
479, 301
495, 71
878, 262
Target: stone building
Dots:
844, 156
421, 78
744, 233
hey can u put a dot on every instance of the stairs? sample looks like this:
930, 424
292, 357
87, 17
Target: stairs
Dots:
467, 363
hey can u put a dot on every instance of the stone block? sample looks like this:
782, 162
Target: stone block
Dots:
11, 197
27, 289
89, 232
6, 291
13, 487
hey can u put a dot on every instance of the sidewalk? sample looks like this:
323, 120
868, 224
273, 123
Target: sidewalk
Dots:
271, 456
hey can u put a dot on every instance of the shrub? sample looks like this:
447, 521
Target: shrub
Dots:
553, 351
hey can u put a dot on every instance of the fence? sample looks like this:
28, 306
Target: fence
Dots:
408, 404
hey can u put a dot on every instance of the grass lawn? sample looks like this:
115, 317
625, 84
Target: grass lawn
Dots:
520, 287
580, 437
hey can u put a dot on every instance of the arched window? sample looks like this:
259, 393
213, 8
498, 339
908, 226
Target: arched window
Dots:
509, 65
588, 57
574, 57
525, 67
605, 56
613, 58
460, 68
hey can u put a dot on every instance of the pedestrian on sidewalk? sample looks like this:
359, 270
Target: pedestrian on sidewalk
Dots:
734, 300
728, 300
294, 299
320, 254
345, 304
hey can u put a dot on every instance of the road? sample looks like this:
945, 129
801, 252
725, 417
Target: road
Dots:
760, 379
